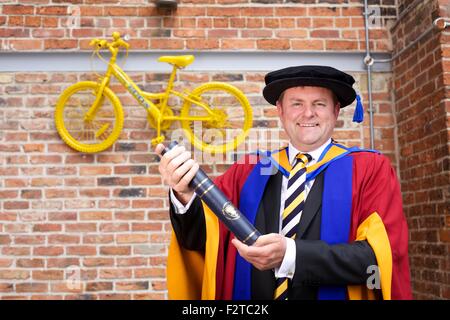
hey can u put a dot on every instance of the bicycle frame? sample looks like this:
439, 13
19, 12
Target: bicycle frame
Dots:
144, 97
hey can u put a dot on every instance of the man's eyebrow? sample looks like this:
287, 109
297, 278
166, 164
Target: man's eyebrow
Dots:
315, 100
295, 99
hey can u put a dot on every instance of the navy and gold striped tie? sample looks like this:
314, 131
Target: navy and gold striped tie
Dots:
293, 208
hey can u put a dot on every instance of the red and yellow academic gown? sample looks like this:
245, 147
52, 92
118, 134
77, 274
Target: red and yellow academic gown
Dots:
361, 201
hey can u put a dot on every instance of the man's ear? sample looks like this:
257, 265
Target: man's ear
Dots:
279, 108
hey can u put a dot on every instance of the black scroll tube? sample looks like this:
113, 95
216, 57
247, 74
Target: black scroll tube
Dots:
222, 207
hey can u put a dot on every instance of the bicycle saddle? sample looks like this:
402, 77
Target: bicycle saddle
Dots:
179, 61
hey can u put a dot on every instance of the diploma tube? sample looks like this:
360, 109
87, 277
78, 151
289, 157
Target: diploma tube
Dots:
222, 207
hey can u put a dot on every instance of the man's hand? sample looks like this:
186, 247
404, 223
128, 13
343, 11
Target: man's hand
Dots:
266, 253
177, 170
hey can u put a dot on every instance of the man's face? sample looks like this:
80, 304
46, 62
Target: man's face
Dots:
308, 115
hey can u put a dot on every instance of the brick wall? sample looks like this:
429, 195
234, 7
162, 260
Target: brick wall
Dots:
421, 100
103, 218
196, 24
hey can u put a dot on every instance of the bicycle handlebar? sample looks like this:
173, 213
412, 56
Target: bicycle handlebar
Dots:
103, 43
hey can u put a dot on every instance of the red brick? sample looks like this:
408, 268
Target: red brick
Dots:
47, 227
30, 263
31, 239
16, 251
98, 262
113, 227
14, 205
48, 275
130, 215
116, 250
48, 251
6, 287
67, 287
60, 44
8, 194
81, 227
31, 287
54, 194
17, 9
4, 263
99, 286
120, 11
132, 286
98, 239
115, 296
96, 215
139, 261
81, 250
131, 238
62, 262
202, 44
290, 11
341, 45
115, 273
149, 296
150, 273
63, 239
273, 44
159, 285
52, 10
14, 274
95, 171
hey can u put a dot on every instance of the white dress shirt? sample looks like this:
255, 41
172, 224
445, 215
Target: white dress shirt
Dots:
287, 267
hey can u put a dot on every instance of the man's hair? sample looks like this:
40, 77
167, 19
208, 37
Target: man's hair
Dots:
335, 99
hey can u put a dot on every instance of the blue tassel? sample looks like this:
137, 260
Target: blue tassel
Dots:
358, 116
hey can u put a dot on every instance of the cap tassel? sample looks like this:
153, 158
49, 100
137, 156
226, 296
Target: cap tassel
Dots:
358, 116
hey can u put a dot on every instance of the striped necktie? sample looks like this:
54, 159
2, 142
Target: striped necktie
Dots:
293, 207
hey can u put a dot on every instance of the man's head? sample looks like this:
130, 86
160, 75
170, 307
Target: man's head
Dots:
308, 99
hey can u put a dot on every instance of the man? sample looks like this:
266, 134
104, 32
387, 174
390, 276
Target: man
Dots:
331, 217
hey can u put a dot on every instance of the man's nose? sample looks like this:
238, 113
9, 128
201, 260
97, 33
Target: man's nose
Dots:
308, 111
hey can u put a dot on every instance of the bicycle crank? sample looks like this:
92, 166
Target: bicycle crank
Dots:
165, 124
102, 130
219, 119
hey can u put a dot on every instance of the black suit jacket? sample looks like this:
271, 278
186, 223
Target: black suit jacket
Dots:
317, 263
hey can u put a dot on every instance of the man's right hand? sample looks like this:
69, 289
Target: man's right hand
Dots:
177, 170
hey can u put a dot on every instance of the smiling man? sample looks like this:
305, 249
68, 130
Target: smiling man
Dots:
331, 216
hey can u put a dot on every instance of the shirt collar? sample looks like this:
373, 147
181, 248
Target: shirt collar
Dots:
315, 154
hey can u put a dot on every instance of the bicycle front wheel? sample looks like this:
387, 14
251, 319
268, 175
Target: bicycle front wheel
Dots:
225, 125
86, 134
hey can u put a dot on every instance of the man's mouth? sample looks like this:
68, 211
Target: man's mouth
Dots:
310, 125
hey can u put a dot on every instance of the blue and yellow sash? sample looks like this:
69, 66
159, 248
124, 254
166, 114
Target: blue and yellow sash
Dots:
336, 204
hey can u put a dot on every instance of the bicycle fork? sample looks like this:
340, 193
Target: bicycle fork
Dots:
89, 116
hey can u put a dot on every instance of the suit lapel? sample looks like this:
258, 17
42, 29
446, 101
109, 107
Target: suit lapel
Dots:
271, 203
267, 221
312, 205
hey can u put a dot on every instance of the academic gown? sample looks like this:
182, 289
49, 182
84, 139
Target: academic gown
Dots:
373, 233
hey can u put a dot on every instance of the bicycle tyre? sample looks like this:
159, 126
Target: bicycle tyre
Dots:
224, 91
89, 88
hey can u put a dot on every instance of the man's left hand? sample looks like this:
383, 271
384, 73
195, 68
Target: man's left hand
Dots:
266, 253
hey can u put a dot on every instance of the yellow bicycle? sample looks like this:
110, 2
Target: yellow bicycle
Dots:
89, 115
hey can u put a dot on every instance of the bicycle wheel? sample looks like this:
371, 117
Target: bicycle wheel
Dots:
84, 135
230, 123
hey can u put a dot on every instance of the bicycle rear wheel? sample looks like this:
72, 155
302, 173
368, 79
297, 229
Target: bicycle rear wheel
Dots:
230, 123
85, 135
